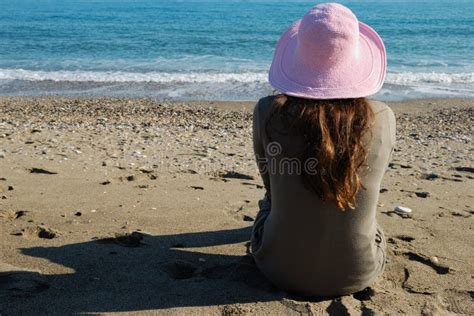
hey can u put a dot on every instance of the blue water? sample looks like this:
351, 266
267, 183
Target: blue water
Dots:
185, 49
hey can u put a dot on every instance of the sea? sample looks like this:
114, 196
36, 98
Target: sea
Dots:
215, 49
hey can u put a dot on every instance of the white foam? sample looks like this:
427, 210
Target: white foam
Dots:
211, 85
413, 78
397, 78
120, 76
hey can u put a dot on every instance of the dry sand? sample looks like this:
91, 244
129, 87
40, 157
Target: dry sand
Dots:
136, 206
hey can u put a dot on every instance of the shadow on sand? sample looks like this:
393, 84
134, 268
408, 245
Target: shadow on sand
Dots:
141, 272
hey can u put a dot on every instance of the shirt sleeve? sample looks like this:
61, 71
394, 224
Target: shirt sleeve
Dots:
392, 128
259, 149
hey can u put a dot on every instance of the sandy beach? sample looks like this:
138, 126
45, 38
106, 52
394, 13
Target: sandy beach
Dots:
139, 206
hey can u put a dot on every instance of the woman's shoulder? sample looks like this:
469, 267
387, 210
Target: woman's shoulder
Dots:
265, 102
263, 106
384, 119
380, 108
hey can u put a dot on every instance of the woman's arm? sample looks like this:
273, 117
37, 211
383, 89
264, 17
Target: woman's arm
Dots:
259, 149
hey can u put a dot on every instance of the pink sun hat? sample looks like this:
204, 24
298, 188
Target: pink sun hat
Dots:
329, 54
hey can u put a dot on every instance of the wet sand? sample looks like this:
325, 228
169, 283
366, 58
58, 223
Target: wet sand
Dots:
139, 206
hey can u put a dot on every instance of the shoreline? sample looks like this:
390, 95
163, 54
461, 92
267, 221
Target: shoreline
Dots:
237, 87
140, 206
229, 104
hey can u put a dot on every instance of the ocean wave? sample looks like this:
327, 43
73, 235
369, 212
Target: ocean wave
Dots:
394, 78
410, 78
119, 76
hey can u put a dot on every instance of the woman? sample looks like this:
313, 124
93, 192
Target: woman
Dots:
322, 150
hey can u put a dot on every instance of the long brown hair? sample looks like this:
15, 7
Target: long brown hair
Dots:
332, 132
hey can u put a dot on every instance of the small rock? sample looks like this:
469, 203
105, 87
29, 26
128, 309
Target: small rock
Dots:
423, 194
137, 154
402, 209
197, 187
431, 176
145, 169
41, 171
78, 214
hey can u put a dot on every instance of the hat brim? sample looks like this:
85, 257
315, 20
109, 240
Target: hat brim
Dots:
366, 76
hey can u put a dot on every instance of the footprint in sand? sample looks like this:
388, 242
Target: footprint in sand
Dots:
18, 282
458, 302
3, 189
295, 306
37, 232
179, 269
137, 177
410, 269
439, 268
244, 271
13, 215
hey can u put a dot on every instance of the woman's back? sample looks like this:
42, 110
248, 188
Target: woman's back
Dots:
309, 245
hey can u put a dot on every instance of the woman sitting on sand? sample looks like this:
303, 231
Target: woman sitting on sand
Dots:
322, 150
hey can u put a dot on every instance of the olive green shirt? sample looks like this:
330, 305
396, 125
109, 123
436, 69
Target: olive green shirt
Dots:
310, 246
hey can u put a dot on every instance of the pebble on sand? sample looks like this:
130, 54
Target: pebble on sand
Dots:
402, 209
431, 176
41, 171
423, 194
